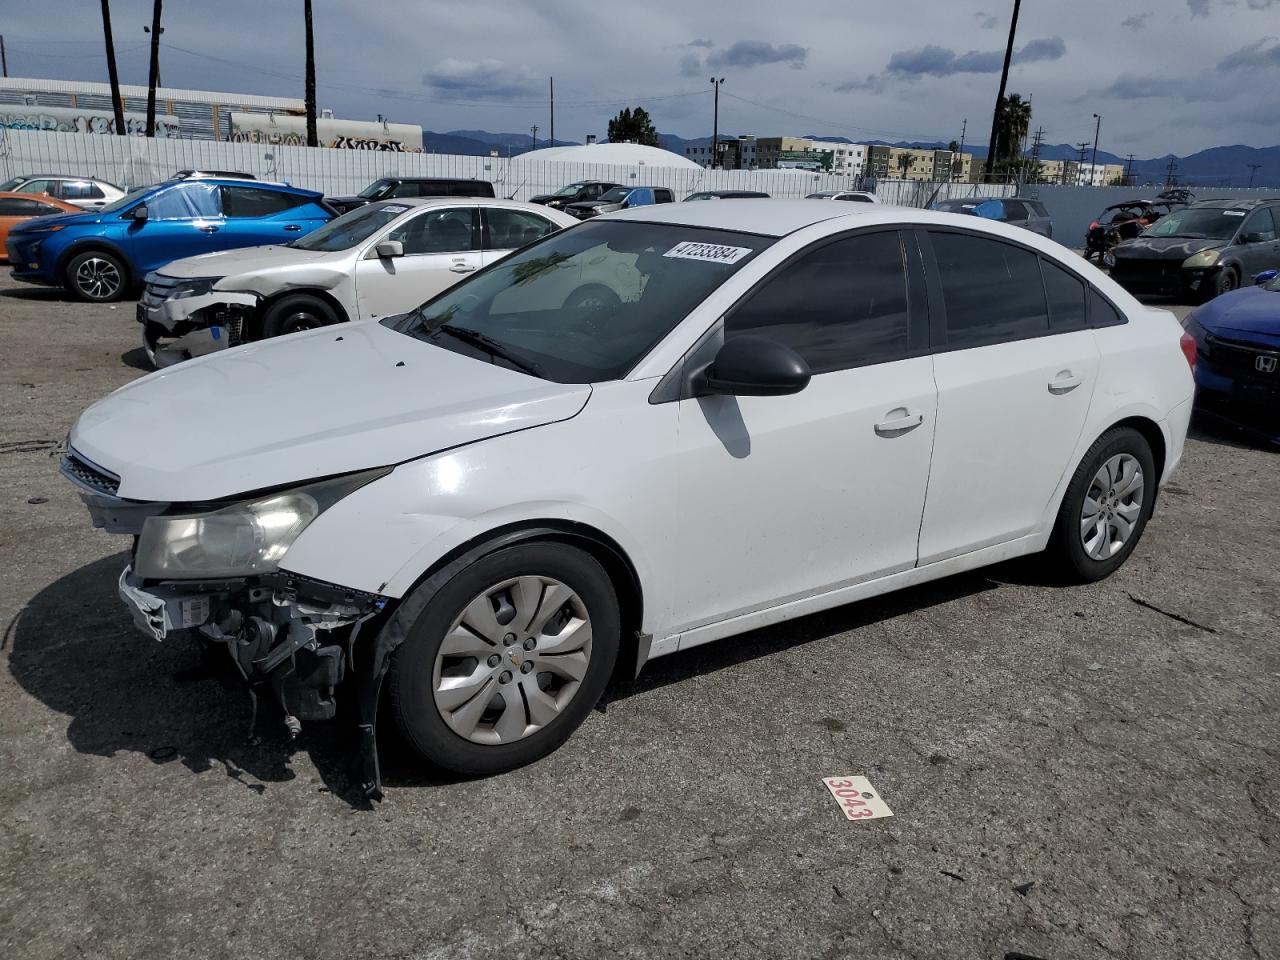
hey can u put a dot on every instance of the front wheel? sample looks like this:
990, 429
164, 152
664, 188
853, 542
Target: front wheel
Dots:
96, 276
506, 659
1106, 506
296, 313
1223, 282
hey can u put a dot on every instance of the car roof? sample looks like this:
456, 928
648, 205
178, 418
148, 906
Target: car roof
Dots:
454, 201
392, 176
64, 176
239, 182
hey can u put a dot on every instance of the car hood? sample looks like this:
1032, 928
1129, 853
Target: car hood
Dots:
1165, 248
1253, 312
58, 219
228, 263
308, 405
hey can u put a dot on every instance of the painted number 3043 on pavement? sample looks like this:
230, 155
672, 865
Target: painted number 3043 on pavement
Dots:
857, 798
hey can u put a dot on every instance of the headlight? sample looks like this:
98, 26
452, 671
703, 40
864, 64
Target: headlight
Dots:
44, 228
195, 287
1205, 258
239, 539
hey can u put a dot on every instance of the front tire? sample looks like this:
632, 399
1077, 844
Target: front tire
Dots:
296, 313
506, 659
96, 276
1223, 282
1106, 506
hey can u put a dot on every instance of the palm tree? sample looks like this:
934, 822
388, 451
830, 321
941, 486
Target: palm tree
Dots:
1015, 121
904, 164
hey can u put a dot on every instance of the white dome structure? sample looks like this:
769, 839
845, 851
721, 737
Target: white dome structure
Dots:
613, 154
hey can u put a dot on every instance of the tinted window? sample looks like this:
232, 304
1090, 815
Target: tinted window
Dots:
1101, 312
1065, 292
1014, 210
841, 305
44, 209
509, 229
13, 207
437, 231
664, 196
992, 291
79, 190
1259, 222
188, 201
252, 202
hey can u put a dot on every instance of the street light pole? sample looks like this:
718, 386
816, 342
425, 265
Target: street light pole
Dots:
715, 124
117, 108
1093, 164
534, 131
153, 76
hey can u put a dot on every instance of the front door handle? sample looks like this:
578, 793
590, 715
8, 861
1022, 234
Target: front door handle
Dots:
897, 425
209, 228
461, 268
292, 227
1065, 382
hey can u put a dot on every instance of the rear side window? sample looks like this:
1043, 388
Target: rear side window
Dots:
252, 202
1101, 312
991, 290
1066, 296
841, 305
663, 195
80, 190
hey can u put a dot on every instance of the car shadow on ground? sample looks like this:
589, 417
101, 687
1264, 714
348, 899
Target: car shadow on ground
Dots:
1214, 429
74, 648
137, 359
39, 293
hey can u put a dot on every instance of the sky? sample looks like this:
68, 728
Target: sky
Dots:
1167, 76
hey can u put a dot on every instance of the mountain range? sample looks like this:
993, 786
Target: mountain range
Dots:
1226, 166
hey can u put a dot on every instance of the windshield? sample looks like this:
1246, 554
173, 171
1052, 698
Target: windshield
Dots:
1203, 223
584, 305
10, 184
124, 201
350, 228
616, 195
377, 190
569, 191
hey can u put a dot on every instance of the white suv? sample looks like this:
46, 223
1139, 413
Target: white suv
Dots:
659, 428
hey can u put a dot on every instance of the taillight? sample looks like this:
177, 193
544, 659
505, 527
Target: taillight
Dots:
1094, 225
1188, 344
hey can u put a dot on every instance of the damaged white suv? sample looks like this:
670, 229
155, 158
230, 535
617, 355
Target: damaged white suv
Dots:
659, 428
378, 260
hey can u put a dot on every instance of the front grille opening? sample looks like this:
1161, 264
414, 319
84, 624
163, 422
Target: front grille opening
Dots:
88, 474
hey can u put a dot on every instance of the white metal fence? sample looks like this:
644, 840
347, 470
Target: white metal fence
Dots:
136, 161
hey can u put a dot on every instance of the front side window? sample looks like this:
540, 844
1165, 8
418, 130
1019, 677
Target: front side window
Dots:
34, 186
352, 228
583, 305
841, 305
991, 290
13, 207
509, 229
437, 231
1199, 223
186, 201
253, 202
1259, 228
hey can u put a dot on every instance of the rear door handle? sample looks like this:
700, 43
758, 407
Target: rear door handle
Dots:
898, 425
1065, 382
292, 227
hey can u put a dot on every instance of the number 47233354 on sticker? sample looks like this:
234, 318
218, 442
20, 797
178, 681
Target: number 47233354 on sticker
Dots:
857, 798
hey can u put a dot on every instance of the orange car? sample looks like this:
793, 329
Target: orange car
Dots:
17, 207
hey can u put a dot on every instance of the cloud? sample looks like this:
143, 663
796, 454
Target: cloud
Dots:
746, 54
699, 42
1258, 55
874, 82
1136, 22
1196, 89
987, 21
479, 79
937, 61
1198, 8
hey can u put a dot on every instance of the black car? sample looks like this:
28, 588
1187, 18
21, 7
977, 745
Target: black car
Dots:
726, 195
1203, 250
580, 191
390, 188
619, 198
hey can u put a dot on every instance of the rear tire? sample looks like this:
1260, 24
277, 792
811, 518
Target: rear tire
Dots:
533, 633
296, 313
1106, 507
96, 277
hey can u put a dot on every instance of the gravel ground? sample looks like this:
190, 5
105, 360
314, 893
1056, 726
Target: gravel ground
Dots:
1074, 772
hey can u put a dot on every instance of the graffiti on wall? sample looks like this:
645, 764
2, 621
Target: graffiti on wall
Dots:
290, 130
70, 120
290, 138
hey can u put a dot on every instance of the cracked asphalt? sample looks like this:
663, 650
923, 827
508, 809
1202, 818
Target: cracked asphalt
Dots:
1074, 771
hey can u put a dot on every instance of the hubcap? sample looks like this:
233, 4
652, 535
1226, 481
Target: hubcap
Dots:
512, 660
302, 320
1112, 506
98, 278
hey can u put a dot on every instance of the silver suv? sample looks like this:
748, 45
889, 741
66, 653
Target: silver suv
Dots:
87, 192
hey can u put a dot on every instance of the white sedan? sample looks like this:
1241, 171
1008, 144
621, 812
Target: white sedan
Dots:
375, 261
765, 409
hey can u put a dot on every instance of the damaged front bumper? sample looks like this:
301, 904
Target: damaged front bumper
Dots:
180, 328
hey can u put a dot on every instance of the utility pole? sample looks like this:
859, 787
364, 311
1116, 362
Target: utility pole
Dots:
1097, 126
534, 131
1128, 172
313, 138
1170, 179
117, 106
989, 174
1083, 148
1253, 167
1035, 153
964, 126
153, 76
4, 60
553, 111
715, 125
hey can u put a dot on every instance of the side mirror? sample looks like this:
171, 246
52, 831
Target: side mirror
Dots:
1266, 276
1253, 238
389, 248
139, 213
752, 366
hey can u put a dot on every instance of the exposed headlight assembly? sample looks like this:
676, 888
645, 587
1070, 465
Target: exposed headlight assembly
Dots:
1201, 260
195, 287
238, 539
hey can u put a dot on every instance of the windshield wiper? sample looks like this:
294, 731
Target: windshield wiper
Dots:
491, 346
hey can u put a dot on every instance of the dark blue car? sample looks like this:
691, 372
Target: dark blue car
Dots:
101, 255
1238, 356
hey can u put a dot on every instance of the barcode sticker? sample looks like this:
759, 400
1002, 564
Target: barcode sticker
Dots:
857, 798
396, 207
710, 252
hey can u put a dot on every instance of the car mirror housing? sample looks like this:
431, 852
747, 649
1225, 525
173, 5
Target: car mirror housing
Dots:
1252, 238
753, 366
139, 212
389, 248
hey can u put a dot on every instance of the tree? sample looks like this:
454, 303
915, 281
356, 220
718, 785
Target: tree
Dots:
1015, 121
904, 164
633, 125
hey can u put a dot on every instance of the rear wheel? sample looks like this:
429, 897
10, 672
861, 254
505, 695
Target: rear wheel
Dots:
296, 313
1106, 506
506, 659
96, 276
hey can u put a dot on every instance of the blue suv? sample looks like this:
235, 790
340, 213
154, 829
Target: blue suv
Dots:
99, 256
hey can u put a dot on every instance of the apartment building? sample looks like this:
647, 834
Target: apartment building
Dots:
917, 163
